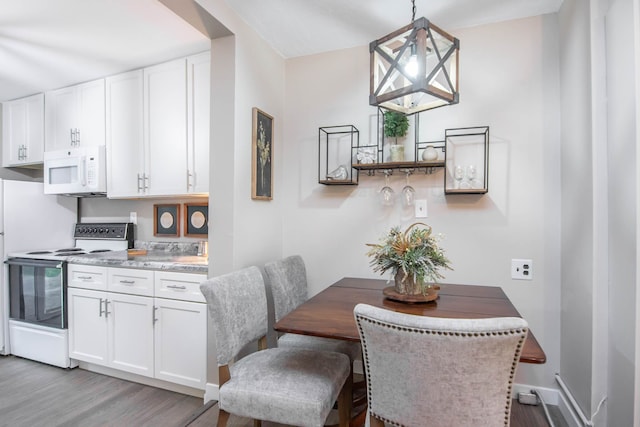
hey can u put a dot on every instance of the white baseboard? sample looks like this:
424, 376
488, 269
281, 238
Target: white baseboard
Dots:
211, 392
551, 396
141, 379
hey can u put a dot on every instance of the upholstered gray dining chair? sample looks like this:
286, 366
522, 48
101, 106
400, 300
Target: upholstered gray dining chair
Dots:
287, 386
288, 283
427, 371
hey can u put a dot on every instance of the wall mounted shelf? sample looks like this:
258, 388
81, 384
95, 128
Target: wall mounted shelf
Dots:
372, 167
463, 155
337, 146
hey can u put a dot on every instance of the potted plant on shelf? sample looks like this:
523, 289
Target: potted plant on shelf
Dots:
414, 258
396, 125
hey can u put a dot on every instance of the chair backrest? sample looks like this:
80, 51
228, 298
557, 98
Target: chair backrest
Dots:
237, 304
288, 279
438, 371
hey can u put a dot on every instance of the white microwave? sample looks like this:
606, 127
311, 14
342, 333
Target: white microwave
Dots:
76, 172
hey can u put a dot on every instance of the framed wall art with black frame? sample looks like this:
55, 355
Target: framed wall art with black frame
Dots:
166, 220
196, 219
261, 156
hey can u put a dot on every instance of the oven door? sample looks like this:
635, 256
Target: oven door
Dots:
37, 291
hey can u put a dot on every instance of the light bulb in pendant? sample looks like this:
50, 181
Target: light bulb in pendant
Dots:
411, 67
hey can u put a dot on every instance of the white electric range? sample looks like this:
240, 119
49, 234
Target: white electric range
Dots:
38, 291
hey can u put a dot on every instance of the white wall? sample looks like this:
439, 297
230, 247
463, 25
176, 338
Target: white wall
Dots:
250, 74
622, 105
577, 201
600, 55
509, 81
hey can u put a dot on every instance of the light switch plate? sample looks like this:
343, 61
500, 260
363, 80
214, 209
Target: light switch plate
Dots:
421, 208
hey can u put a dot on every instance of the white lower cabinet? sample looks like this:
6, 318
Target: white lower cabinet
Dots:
130, 333
163, 338
181, 342
87, 325
110, 329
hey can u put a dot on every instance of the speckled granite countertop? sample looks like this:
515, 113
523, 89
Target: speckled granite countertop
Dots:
180, 257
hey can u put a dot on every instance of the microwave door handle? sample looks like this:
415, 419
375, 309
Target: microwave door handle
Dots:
82, 171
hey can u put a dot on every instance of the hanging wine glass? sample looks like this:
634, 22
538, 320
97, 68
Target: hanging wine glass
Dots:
387, 195
408, 193
472, 174
458, 174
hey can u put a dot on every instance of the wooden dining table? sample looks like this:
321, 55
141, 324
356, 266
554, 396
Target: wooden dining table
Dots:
329, 313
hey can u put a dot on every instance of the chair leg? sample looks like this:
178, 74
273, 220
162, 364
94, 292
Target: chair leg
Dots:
257, 423
344, 402
223, 418
374, 422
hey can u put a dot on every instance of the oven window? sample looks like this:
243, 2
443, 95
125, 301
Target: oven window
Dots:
36, 293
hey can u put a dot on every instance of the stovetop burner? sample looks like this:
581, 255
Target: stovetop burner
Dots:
90, 239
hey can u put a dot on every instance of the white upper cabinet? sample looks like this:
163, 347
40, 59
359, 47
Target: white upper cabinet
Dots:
23, 131
198, 111
75, 116
165, 125
158, 129
125, 136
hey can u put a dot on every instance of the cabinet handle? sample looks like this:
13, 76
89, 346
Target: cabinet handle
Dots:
106, 308
127, 282
182, 287
153, 315
24, 152
77, 136
73, 138
146, 181
101, 311
189, 175
139, 183
85, 278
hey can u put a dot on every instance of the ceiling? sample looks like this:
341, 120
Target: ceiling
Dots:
47, 44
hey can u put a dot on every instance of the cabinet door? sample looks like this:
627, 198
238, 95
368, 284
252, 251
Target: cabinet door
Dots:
90, 122
165, 111
130, 333
60, 118
87, 325
125, 156
14, 126
34, 152
181, 342
199, 93
23, 131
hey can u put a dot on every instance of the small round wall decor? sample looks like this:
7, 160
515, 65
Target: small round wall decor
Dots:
196, 219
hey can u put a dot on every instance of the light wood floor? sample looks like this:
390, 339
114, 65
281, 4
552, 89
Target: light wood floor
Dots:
33, 394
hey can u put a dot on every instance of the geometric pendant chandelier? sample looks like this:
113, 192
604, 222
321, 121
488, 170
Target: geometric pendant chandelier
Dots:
414, 68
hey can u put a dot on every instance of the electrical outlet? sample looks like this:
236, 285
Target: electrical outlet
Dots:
421, 208
522, 269
133, 217
527, 398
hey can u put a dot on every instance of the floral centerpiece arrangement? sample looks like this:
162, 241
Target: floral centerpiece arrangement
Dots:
413, 256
